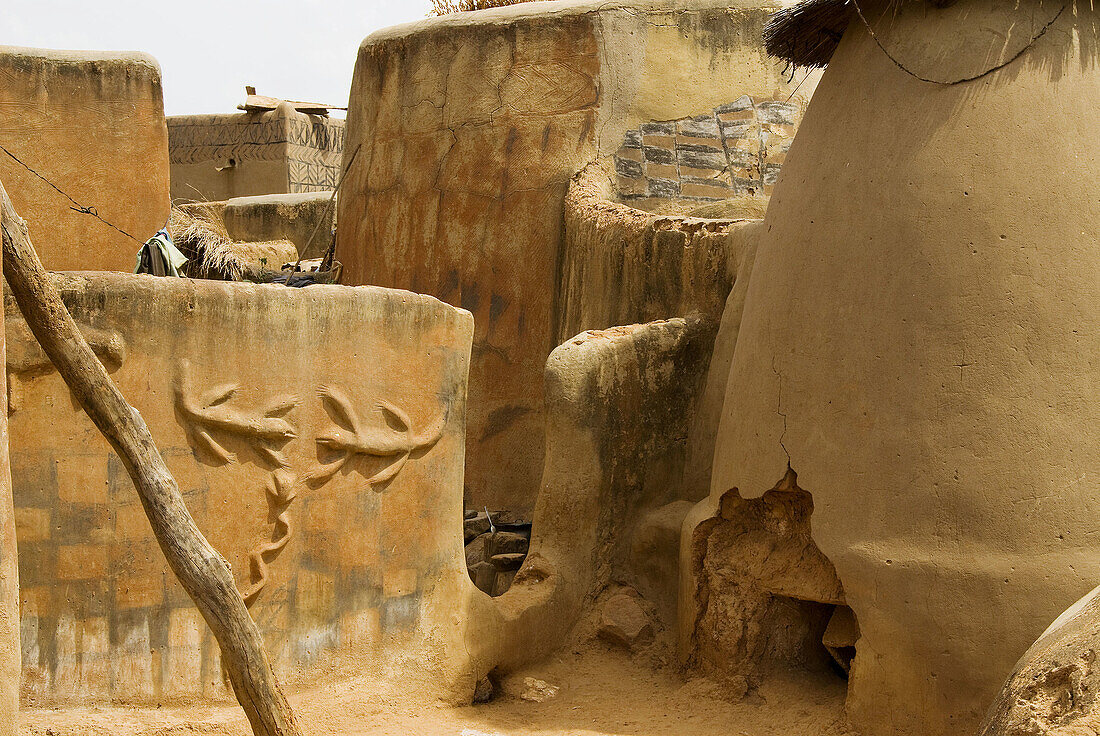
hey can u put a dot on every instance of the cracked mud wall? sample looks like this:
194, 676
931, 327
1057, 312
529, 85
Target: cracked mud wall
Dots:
632, 412
317, 437
932, 378
471, 127
619, 409
623, 266
639, 404
92, 122
766, 593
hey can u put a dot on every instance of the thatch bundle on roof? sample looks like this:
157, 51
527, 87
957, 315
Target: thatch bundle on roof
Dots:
445, 7
200, 235
808, 33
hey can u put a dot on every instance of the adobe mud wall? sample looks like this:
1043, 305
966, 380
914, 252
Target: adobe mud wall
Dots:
471, 126
633, 390
623, 266
930, 378
93, 124
1052, 688
9, 582
317, 436
217, 157
293, 217
263, 218
619, 407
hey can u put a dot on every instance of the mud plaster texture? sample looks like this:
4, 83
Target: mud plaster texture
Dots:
263, 218
632, 390
618, 408
9, 587
217, 157
766, 594
317, 430
471, 126
624, 266
929, 376
1053, 688
93, 124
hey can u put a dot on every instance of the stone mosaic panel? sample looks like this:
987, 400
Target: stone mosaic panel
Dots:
736, 149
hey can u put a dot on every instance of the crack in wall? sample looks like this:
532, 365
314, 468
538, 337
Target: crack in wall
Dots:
781, 413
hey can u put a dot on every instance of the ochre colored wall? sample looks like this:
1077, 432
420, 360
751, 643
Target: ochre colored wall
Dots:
471, 126
624, 266
372, 579
618, 406
919, 345
293, 217
9, 583
202, 182
93, 124
263, 218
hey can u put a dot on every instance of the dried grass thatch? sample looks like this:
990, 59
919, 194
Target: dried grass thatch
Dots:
445, 7
807, 34
200, 235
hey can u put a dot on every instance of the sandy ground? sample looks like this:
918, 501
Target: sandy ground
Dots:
602, 691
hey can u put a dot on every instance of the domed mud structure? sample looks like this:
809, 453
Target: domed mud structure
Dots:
919, 344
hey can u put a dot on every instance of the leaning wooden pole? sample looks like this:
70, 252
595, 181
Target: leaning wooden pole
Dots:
204, 574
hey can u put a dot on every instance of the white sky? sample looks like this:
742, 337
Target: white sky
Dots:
209, 49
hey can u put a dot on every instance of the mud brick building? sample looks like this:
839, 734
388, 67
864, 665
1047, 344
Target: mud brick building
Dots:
280, 151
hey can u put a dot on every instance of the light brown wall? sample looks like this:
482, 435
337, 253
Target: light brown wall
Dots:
293, 217
263, 218
372, 578
218, 157
919, 345
624, 266
92, 123
9, 582
619, 404
203, 182
471, 127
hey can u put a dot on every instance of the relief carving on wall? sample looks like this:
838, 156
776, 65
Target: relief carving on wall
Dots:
350, 437
25, 360
267, 430
214, 417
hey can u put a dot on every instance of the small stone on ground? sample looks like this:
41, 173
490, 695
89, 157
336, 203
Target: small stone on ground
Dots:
623, 621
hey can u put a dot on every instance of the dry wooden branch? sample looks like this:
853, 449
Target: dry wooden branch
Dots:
204, 574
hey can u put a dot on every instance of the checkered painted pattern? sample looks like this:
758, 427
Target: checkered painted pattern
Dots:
101, 613
733, 150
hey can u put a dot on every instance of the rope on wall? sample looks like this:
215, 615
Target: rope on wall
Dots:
976, 77
76, 206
